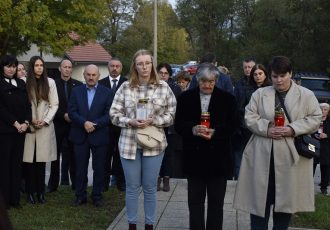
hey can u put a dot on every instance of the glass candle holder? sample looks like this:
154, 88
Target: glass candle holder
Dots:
205, 119
279, 118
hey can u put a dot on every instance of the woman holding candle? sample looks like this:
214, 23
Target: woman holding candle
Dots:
143, 101
207, 157
270, 155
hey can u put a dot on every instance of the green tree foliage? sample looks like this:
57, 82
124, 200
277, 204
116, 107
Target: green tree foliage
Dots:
48, 24
173, 45
209, 24
297, 29
233, 30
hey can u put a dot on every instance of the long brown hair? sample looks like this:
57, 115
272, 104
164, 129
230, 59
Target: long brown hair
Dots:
38, 89
263, 69
133, 74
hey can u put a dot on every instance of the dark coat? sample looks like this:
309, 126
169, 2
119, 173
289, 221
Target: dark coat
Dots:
79, 113
59, 121
14, 105
207, 158
114, 130
325, 144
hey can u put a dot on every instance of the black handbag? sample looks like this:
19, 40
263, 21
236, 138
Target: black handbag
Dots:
306, 145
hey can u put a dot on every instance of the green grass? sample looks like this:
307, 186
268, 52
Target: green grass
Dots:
58, 212
320, 219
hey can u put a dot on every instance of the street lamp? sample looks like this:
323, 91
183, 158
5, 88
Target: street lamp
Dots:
155, 32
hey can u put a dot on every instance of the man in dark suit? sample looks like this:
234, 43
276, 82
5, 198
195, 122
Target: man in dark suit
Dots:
62, 122
88, 109
113, 82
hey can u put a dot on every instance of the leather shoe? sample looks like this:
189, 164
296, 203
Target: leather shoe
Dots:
31, 199
121, 187
78, 202
98, 203
41, 198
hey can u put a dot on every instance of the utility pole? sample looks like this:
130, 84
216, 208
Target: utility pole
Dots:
155, 32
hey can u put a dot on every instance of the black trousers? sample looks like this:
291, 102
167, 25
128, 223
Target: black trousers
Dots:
325, 173
35, 176
65, 147
12, 147
112, 163
281, 220
197, 190
167, 163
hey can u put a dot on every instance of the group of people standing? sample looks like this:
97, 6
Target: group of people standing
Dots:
103, 118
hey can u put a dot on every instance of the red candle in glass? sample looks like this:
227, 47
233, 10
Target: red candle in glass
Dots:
205, 119
279, 118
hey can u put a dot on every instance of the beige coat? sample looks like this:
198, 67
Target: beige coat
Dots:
44, 139
293, 173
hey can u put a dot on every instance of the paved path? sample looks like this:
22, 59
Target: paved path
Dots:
172, 210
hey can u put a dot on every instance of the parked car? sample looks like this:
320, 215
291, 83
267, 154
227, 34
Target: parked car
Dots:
319, 83
175, 69
192, 69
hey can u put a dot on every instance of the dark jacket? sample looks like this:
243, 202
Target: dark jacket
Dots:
63, 101
79, 113
325, 144
114, 130
207, 158
14, 105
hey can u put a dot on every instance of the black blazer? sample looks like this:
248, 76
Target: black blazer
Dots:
63, 102
114, 130
106, 82
79, 113
14, 105
207, 158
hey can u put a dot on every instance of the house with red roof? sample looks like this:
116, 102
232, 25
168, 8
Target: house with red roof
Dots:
80, 56
90, 53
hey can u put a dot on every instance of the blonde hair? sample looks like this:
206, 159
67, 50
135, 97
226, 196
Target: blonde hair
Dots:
133, 74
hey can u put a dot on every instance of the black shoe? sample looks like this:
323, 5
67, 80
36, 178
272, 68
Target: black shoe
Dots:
98, 203
31, 199
105, 187
121, 187
78, 202
16, 206
50, 190
65, 182
324, 192
41, 198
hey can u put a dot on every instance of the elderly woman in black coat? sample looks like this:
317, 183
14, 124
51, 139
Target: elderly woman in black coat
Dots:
207, 159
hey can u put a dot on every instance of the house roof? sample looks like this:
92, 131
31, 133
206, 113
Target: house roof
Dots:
90, 52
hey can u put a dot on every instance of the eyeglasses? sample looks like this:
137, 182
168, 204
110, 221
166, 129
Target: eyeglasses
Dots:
163, 73
142, 64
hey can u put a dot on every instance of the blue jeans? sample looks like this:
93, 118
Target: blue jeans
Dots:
143, 171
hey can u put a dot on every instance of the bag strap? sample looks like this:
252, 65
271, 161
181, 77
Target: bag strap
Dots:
282, 104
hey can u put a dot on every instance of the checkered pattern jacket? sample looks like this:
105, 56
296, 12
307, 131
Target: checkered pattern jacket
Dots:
161, 105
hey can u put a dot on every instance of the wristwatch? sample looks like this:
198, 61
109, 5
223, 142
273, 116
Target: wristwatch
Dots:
27, 123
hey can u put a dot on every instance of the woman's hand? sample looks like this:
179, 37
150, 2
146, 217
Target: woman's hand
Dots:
323, 136
278, 132
203, 131
38, 124
141, 124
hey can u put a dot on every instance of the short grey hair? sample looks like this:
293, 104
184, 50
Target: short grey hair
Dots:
326, 105
207, 71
